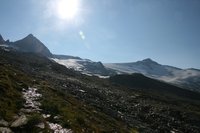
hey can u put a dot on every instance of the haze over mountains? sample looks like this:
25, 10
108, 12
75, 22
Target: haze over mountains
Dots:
186, 78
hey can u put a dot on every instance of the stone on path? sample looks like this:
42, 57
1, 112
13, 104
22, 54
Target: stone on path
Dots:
3, 123
22, 120
5, 130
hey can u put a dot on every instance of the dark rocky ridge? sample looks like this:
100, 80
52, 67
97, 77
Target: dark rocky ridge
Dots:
31, 44
146, 84
2, 41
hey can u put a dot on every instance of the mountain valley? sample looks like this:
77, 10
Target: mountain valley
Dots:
130, 97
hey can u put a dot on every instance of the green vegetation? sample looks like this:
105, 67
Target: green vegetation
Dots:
75, 114
10, 92
33, 120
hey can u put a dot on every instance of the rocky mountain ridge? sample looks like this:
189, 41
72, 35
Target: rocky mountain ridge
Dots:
31, 44
2, 41
186, 78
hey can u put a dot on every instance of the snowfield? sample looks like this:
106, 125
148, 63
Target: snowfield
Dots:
186, 78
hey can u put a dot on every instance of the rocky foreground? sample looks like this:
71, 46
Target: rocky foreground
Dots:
32, 105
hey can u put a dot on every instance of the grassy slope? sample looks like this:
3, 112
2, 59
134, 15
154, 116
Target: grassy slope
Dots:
103, 107
10, 92
17, 73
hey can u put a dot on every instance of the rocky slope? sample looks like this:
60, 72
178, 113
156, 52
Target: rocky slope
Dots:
89, 104
58, 87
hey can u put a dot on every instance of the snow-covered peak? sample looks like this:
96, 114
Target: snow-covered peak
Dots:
187, 78
147, 67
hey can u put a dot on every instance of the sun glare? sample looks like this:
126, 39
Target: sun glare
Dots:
67, 9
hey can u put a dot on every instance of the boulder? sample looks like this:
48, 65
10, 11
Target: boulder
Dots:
5, 130
41, 125
22, 120
3, 123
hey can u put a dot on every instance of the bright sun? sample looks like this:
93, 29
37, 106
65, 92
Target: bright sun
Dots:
67, 9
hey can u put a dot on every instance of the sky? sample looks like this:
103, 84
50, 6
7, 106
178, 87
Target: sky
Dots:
167, 31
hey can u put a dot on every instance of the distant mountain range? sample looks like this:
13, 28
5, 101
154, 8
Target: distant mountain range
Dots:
185, 78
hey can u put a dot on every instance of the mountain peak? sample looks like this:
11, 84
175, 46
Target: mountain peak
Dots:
148, 61
30, 35
33, 45
1, 39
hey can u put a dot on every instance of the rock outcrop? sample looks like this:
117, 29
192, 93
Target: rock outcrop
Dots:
22, 120
31, 44
5, 130
2, 41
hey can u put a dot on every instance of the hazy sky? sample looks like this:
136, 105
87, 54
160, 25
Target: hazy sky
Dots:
168, 31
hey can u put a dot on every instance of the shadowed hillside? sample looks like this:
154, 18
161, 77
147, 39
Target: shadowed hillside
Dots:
81, 103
